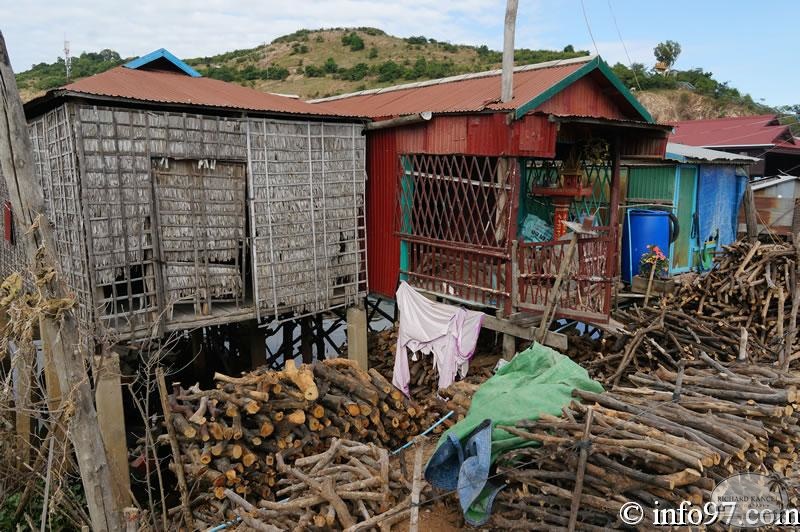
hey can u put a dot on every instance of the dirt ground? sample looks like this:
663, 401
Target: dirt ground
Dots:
437, 517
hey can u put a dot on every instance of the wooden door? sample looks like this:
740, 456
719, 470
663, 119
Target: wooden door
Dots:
201, 219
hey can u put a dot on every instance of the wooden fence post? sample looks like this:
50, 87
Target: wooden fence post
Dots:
750, 213
111, 417
27, 200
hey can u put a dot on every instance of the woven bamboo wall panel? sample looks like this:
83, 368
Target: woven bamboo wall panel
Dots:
55, 159
307, 211
201, 219
118, 150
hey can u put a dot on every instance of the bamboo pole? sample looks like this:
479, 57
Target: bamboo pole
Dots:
176, 452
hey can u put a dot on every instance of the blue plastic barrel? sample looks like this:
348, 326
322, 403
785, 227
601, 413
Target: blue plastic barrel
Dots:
642, 228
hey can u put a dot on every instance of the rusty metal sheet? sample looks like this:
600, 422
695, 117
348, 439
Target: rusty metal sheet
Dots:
174, 88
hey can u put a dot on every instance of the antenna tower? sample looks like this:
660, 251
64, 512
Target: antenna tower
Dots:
67, 59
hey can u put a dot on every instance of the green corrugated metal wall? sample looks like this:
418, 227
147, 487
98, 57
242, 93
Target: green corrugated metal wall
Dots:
651, 183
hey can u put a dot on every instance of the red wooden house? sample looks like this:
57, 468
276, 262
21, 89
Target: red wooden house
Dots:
466, 195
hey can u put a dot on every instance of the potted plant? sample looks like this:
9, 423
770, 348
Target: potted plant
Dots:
654, 263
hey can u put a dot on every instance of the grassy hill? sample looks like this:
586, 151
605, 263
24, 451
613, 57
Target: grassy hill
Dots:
319, 63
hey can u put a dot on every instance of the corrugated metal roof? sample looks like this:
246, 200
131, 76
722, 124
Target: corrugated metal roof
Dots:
467, 93
760, 130
683, 153
175, 88
772, 181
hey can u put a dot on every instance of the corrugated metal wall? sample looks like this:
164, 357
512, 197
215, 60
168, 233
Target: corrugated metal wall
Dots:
651, 183
584, 97
383, 247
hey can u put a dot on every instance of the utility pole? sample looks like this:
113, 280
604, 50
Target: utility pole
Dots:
507, 79
27, 201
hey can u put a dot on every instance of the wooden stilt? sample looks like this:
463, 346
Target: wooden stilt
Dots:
319, 336
111, 418
306, 340
357, 336
198, 351
258, 345
22, 366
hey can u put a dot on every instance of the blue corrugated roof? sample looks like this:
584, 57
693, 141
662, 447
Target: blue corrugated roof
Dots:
162, 53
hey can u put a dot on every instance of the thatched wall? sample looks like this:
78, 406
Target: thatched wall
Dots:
308, 215
201, 214
119, 149
55, 163
169, 203
12, 254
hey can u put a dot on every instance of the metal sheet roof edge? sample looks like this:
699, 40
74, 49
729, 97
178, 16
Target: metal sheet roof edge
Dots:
60, 94
460, 77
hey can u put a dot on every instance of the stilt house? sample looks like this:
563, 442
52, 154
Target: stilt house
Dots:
467, 195
180, 201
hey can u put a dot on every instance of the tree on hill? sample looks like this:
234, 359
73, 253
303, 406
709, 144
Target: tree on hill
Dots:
667, 52
352, 40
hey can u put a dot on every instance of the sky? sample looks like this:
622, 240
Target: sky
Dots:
751, 45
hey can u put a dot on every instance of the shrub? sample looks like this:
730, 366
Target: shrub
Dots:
352, 40
312, 71
330, 66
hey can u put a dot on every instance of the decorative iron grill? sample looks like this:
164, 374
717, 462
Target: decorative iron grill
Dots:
454, 217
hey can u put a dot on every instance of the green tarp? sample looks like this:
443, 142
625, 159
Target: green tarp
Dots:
537, 381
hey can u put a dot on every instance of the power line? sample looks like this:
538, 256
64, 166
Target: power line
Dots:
630, 63
589, 27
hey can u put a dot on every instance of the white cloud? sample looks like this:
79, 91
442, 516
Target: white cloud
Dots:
36, 33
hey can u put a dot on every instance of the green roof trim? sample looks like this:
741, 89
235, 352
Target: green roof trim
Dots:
590, 66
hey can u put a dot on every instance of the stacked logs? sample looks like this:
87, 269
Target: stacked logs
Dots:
744, 309
231, 437
350, 486
668, 440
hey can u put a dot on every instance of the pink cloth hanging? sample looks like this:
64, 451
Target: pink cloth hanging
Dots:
447, 332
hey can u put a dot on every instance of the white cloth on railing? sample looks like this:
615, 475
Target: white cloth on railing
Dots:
448, 332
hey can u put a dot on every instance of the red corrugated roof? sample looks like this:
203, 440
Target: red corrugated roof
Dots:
760, 130
175, 88
469, 93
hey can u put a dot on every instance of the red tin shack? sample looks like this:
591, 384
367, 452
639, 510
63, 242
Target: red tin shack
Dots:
466, 196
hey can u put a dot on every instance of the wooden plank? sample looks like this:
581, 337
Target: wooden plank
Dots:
357, 336
555, 292
554, 339
111, 418
17, 165
750, 213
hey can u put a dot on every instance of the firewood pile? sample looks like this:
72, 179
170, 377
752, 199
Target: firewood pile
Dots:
669, 439
237, 436
349, 486
744, 309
